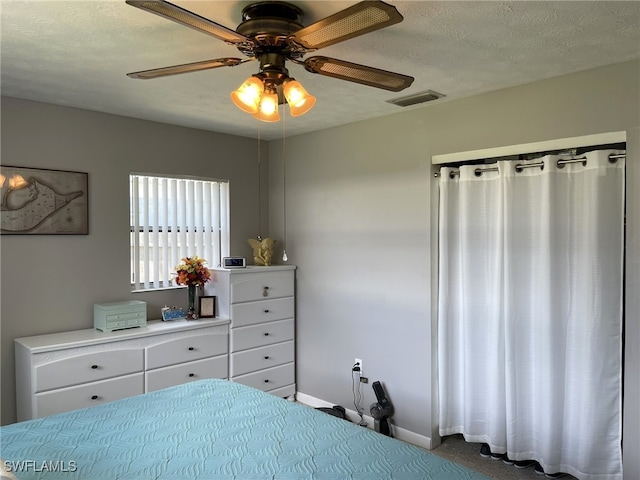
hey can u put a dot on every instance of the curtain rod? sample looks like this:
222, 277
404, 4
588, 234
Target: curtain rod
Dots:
613, 157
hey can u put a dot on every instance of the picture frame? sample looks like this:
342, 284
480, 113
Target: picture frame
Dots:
207, 306
37, 201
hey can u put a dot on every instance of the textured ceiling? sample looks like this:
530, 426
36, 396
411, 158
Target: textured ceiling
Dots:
77, 53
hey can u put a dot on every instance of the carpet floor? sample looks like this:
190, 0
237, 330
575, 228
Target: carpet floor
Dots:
455, 448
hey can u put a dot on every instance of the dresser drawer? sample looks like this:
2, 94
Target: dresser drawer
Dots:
118, 322
186, 372
262, 286
88, 395
260, 358
258, 312
253, 336
269, 379
209, 343
87, 367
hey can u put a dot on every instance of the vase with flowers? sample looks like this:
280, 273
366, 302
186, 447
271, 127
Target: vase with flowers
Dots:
192, 273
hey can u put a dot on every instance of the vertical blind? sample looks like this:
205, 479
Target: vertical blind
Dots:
173, 218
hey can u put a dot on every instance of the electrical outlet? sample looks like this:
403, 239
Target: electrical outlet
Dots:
359, 363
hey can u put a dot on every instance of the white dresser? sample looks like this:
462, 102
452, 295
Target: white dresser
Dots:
64, 371
260, 301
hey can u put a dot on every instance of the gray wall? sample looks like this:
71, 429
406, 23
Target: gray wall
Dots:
361, 223
50, 283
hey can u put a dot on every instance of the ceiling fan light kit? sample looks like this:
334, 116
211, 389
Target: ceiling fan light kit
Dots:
272, 32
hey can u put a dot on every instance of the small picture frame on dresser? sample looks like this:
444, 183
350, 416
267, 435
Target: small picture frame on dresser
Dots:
207, 307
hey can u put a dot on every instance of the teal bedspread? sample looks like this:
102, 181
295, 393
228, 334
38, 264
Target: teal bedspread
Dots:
212, 429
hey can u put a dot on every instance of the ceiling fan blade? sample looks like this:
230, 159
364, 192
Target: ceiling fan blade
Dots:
363, 17
190, 19
352, 72
185, 68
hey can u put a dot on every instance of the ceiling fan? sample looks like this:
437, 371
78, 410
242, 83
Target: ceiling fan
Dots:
272, 33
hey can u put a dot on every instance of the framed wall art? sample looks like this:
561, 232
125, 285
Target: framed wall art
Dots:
37, 201
207, 307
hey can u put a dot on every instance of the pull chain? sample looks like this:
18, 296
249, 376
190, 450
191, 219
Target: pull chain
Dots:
259, 236
284, 184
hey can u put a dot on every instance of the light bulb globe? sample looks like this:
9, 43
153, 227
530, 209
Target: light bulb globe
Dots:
247, 97
300, 101
268, 108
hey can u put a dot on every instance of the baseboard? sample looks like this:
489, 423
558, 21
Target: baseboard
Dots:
397, 432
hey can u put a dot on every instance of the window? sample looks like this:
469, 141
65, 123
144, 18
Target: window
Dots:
172, 218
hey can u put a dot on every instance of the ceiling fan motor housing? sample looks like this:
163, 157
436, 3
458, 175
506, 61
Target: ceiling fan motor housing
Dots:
270, 24
278, 10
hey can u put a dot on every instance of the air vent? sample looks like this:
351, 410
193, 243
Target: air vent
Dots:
416, 98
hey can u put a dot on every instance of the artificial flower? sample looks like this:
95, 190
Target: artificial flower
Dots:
192, 271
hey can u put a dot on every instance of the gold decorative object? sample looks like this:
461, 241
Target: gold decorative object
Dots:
262, 250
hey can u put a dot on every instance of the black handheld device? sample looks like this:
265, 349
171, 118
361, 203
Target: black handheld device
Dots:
381, 410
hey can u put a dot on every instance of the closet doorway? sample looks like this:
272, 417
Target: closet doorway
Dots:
530, 307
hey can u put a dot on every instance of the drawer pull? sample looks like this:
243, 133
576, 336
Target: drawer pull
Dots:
94, 397
266, 334
267, 357
192, 374
94, 366
266, 381
266, 311
265, 292
191, 348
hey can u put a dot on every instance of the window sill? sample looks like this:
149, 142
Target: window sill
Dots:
158, 289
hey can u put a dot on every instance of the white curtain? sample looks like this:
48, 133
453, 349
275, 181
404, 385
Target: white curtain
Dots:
530, 311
